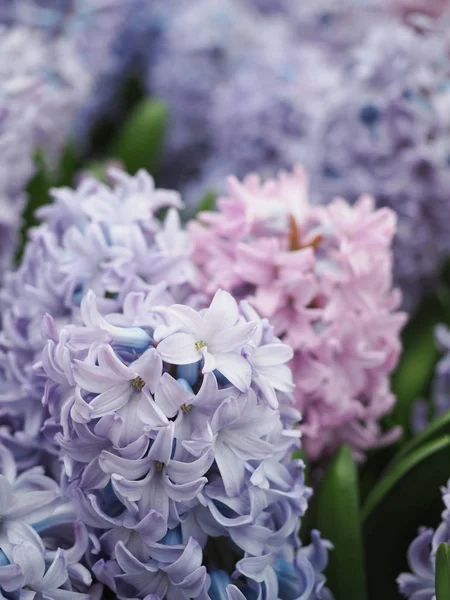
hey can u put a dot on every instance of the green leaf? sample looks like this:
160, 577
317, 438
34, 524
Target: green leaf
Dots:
208, 201
68, 166
438, 427
139, 143
406, 497
338, 518
442, 577
420, 355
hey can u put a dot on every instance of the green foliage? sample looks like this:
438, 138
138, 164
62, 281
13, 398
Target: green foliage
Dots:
442, 577
138, 144
420, 355
407, 496
338, 518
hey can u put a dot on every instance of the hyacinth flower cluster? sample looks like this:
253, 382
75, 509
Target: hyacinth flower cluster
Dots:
210, 37
102, 237
41, 541
353, 93
42, 87
419, 584
106, 37
322, 275
176, 434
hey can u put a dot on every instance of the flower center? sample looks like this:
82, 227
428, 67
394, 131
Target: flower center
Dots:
186, 408
138, 383
199, 345
159, 466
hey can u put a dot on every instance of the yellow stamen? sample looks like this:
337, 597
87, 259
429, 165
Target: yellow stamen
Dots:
138, 383
159, 466
199, 345
186, 408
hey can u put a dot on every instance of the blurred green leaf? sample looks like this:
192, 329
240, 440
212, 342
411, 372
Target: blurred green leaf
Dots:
139, 143
442, 577
37, 190
438, 427
68, 166
338, 518
208, 202
414, 373
406, 497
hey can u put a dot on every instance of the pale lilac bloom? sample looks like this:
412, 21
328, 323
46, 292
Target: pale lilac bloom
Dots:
165, 460
214, 337
97, 236
34, 521
419, 584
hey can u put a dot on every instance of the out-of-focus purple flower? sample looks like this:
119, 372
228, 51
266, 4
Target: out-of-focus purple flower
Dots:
41, 544
419, 583
424, 411
100, 237
42, 87
107, 37
178, 463
228, 36
357, 96
323, 277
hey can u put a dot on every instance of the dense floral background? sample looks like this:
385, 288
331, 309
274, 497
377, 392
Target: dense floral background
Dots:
224, 299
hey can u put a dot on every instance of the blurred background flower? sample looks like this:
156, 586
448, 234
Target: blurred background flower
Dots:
359, 97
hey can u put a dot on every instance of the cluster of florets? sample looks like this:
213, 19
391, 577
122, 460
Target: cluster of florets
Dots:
98, 237
41, 541
176, 436
420, 583
356, 95
322, 275
106, 36
42, 87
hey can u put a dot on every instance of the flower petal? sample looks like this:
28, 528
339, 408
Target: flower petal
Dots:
179, 349
111, 400
236, 369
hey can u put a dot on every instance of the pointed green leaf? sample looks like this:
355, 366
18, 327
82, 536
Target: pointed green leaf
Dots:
442, 577
420, 355
338, 518
402, 501
208, 201
438, 427
138, 145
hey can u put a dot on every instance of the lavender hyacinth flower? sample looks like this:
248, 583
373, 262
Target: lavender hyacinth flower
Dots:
42, 87
419, 584
178, 464
100, 237
424, 411
107, 37
40, 543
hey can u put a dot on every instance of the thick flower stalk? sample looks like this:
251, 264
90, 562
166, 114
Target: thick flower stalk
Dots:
41, 542
323, 276
42, 87
98, 237
176, 432
419, 583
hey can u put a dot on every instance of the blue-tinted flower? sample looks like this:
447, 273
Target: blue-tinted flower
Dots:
174, 479
42, 86
41, 544
99, 237
106, 36
419, 584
